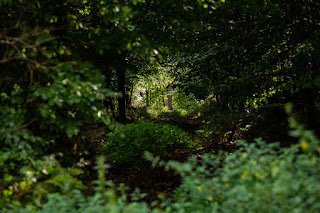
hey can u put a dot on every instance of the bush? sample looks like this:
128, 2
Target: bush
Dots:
170, 115
70, 199
128, 144
40, 119
260, 177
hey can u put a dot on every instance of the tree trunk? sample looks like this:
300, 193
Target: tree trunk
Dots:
164, 103
309, 101
121, 78
130, 97
147, 98
170, 98
305, 104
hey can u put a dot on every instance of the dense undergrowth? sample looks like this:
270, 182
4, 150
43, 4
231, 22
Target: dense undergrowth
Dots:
258, 177
172, 79
126, 145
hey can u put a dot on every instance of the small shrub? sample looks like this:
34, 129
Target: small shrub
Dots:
129, 144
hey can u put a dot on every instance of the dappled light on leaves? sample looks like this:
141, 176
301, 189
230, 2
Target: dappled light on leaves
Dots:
99, 97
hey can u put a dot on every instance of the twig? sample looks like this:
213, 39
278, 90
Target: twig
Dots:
22, 58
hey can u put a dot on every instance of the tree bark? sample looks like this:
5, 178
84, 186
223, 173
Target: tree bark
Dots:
309, 101
147, 98
304, 102
170, 98
128, 103
121, 78
164, 103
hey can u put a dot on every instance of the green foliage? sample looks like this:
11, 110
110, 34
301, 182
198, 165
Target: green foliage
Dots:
250, 51
126, 145
185, 103
35, 182
260, 177
72, 96
142, 113
34, 119
155, 84
221, 126
57, 59
151, 92
71, 198
46, 95
169, 115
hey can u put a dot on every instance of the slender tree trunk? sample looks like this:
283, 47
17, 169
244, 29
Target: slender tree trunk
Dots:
170, 98
305, 105
147, 97
121, 77
163, 101
309, 101
150, 97
59, 28
130, 97
108, 104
